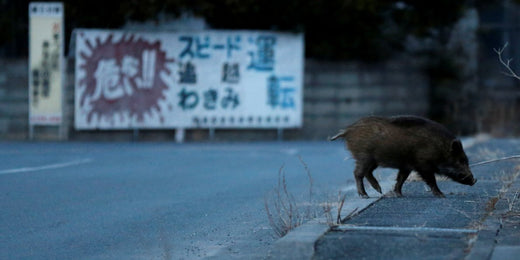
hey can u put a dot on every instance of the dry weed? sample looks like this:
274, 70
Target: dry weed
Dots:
285, 213
281, 208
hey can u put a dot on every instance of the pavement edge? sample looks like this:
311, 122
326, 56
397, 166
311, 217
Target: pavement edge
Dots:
300, 242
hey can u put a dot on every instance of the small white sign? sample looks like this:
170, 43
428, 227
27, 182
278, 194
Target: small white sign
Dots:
46, 68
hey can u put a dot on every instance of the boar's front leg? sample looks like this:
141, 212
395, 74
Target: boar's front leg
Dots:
363, 168
401, 178
429, 178
372, 180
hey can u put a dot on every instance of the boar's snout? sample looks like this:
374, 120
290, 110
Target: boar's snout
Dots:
468, 179
462, 176
472, 181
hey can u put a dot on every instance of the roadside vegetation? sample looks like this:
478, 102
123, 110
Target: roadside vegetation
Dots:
286, 212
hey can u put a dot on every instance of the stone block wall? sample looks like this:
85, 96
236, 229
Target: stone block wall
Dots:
335, 94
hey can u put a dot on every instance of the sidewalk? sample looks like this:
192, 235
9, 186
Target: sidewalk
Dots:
472, 222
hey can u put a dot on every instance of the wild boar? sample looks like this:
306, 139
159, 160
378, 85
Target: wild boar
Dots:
406, 143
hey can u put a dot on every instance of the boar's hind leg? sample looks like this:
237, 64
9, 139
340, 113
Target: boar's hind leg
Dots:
429, 178
363, 169
401, 178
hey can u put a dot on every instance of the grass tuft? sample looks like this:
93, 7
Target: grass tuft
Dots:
285, 213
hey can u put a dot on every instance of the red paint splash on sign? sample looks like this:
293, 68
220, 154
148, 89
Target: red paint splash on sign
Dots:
123, 77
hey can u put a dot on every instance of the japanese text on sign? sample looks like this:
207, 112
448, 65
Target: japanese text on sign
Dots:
46, 67
167, 80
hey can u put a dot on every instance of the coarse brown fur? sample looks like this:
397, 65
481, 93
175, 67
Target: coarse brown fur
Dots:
405, 143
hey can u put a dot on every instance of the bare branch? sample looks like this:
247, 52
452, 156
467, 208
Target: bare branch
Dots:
496, 160
311, 181
340, 207
507, 63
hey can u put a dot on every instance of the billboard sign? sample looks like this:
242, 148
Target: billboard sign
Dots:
210, 79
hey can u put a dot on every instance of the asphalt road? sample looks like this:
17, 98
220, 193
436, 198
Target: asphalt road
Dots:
151, 200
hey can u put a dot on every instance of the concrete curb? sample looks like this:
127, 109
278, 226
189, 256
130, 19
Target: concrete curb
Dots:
300, 242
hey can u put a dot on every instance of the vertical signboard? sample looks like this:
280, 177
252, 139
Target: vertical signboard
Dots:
203, 79
45, 63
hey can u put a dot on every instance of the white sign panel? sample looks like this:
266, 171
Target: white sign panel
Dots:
45, 63
218, 79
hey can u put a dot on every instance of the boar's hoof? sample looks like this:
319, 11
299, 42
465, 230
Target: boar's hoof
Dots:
364, 196
397, 194
439, 195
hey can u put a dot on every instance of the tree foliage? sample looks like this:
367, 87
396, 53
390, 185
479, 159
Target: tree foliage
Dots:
334, 29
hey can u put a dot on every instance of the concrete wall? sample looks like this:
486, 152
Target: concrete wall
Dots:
335, 94
14, 98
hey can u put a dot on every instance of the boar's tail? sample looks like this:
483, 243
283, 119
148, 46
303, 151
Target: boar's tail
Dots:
341, 134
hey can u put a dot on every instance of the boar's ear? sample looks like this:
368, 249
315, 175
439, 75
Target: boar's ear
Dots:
456, 147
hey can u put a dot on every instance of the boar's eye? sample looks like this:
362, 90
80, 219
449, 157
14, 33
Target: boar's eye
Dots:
463, 160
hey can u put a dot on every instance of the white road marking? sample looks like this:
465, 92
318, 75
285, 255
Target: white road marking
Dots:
290, 151
45, 167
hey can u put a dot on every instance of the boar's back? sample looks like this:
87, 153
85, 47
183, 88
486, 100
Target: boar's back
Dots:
420, 124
